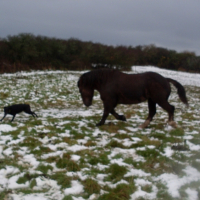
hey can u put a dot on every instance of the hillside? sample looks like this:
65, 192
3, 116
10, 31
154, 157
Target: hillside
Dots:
28, 52
62, 154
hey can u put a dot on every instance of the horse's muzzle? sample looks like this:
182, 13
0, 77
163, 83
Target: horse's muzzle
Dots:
87, 103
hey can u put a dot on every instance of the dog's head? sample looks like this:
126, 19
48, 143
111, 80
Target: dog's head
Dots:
7, 109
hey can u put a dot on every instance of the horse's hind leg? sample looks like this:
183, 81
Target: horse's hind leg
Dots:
117, 116
170, 109
152, 112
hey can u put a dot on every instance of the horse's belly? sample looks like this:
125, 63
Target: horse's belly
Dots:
123, 100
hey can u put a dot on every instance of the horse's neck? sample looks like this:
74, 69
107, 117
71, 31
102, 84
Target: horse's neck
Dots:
99, 82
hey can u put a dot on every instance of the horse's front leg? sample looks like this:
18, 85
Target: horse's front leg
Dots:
117, 116
108, 107
103, 119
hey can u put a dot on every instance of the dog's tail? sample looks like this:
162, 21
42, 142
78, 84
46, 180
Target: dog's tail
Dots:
180, 90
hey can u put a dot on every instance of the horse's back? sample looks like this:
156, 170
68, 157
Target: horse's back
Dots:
139, 80
135, 88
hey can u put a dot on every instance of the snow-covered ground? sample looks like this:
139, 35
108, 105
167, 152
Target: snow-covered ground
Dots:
54, 95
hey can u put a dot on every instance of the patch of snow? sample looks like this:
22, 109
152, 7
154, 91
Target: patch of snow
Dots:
75, 189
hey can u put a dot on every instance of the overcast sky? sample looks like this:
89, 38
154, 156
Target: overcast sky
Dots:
172, 24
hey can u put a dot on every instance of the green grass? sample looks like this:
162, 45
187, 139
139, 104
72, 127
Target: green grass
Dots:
116, 172
122, 191
44, 168
177, 132
113, 144
68, 197
69, 165
163, 192
100, 158
62, 180
91, 186
30, 142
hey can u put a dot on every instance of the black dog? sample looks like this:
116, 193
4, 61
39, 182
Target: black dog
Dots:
17, 108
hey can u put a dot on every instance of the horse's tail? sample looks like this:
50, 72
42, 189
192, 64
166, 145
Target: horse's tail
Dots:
180, 90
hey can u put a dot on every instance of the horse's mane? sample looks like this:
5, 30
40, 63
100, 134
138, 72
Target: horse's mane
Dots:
96, 77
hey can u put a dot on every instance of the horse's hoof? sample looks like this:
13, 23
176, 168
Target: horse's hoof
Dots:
142, 126
99, 124
173, 124
122, 118
145, 124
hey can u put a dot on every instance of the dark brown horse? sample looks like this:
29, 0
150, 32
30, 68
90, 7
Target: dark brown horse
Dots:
116, 87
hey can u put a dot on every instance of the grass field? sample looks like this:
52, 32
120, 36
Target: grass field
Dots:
62, 155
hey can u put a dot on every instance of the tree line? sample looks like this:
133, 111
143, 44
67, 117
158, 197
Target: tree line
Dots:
29, 52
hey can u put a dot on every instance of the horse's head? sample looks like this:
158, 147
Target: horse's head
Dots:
86, 93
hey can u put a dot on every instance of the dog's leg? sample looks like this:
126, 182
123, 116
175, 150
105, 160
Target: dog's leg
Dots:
13, 118
31, 113
28, 111
3, 117
35, 114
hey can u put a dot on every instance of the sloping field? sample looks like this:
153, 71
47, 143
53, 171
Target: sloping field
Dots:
62, 155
